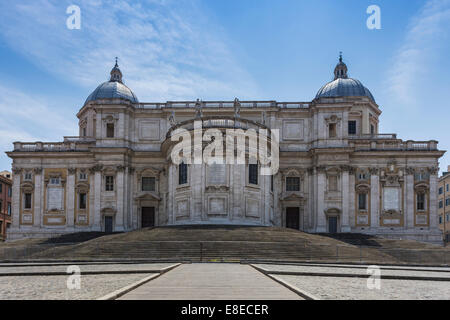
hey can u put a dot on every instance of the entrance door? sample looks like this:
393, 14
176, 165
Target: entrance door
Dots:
293, 218
332, 224
108, 224
148, 217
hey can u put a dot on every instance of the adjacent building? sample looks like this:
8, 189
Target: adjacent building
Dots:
337, 172
5, 203
444, 204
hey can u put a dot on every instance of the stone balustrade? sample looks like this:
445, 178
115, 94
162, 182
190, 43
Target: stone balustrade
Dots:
225, 104
69, 144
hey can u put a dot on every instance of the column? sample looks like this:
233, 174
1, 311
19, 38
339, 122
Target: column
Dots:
409, 195
70, 192
433, 214
345, 224
374, 198
171, 197
321, 187
15, 199
38, 194
351, 196
120, 199
97, 193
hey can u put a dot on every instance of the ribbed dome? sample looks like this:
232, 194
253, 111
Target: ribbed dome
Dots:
111, 90
114, 88
343, 86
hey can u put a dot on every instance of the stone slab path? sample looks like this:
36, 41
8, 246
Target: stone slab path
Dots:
215, 281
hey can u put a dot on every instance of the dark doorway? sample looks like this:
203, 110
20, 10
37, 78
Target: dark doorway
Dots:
148, 217
332, 224
293, 218
108, 224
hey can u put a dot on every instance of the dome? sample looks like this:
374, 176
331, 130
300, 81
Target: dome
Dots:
112, 89
343, 86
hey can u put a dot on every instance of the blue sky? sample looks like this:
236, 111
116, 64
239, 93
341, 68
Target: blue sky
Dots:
211, 49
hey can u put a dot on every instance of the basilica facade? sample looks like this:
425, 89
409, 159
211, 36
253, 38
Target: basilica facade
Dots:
337, 172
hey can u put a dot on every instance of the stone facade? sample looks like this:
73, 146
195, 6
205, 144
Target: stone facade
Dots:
337, 173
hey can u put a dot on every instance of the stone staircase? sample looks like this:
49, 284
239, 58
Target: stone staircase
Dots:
208, 243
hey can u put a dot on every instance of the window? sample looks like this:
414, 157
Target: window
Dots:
148, 184
9, 192
447, 202
292, 184
332, 130
82, 201
447, 217
9, 208
362, 201
332, 183
182, 173
441, 190
253, 173
1, 206
363, 176
441, 204
110, 130
27, 176
8, 225
27, 204
55, 180
83, 176
421, 176
1, 187
83, 132
440, 219
420, 201
271, 183
109, 183
446, 188
372, 129
352, 127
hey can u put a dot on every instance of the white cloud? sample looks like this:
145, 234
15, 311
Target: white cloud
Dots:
168, 49
29, 119
411, 66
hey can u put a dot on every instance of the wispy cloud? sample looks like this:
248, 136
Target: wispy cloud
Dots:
29, 118
426, 33
168, 49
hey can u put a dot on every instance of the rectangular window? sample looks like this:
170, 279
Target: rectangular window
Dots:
9, 192
55, 180
372, 129
332, 130
148, 184
447, 218
446, 188
8, 225
441, 204
83, 176
447, 202
253, 173
441, 190
352, 127
110, 130
109, 183
182, 173
271, 183
332, 183
362, 201
9, 208
27, 176
1, 187
292, 184
1, 206
82, 201
440, 219
27, 204
420, 201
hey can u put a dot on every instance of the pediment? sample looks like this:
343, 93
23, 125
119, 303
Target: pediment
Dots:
148, 196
